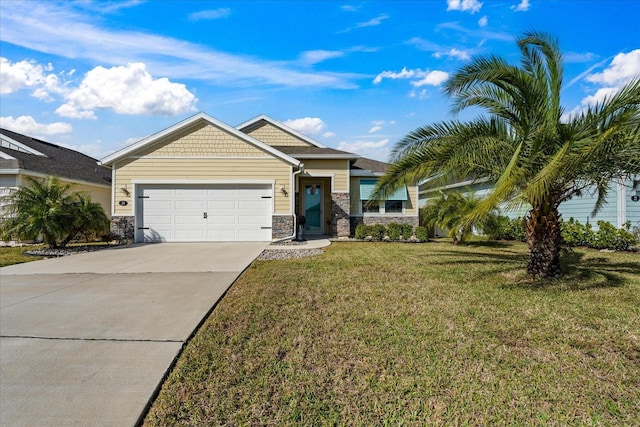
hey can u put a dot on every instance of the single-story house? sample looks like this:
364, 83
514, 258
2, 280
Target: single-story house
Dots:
23, 157
204, 180
622, 203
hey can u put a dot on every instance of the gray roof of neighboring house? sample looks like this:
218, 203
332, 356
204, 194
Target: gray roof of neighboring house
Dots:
57, 161
369, 164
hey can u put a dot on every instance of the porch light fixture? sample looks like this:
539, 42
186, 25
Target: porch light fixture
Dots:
283, 191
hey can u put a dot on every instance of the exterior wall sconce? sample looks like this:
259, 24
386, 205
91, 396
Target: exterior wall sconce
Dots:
283, 191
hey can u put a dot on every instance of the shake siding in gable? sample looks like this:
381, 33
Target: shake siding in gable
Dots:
271, 135
202, 153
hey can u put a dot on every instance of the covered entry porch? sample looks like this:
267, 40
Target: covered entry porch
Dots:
323, 210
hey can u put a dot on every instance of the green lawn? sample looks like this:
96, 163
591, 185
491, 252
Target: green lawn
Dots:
416, 334
14, 255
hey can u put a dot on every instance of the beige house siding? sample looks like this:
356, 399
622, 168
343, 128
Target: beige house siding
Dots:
410, 206
193, 169
204, 153
337, 169
202, 140
272, 135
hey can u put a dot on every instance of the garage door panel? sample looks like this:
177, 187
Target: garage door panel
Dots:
159, 219
221, 205
235, 212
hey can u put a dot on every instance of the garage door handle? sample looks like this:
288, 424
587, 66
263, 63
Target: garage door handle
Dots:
265, 228
205, 215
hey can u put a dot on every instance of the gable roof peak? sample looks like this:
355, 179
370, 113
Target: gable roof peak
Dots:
263, 117
200, 116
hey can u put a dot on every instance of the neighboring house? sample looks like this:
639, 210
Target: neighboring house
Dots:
23, 157
203, 180
622, 203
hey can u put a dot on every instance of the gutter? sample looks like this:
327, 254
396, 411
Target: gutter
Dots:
295, 217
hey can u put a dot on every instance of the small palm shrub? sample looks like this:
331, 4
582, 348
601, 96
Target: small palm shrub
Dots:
422, 233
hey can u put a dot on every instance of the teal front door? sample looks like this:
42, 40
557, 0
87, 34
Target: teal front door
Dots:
313, 208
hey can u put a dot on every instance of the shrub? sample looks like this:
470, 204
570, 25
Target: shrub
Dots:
407, 231
610, 237
504, 228
362, 231
576, 234
394, 231
377, 231
422, 233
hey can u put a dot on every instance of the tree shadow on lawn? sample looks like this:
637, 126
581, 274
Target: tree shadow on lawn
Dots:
577, 273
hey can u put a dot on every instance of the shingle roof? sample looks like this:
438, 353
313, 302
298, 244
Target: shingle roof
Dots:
369, 164
302, 151
57, 161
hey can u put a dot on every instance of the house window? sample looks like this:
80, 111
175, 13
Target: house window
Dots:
370, 207
393, 206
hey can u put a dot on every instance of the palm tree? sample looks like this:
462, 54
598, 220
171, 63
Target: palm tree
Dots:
50, 209
40, 209
88, 218
523, 144
448, 212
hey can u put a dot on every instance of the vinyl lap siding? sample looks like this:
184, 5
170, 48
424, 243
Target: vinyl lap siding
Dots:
271, 135
201, 169
338, 169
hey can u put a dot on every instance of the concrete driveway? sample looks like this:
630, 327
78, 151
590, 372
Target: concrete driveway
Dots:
87, 339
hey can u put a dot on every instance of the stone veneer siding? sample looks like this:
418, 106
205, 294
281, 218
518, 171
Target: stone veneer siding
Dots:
281, 226
384, 220
340, 207
123, 227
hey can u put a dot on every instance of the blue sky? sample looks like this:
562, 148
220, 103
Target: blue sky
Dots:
357, 76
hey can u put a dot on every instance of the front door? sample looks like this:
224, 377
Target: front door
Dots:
313, 207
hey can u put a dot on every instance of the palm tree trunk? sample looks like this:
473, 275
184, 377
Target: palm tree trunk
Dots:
543, 236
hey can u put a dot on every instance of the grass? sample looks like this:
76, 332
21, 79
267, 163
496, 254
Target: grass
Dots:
10, 255
428, 334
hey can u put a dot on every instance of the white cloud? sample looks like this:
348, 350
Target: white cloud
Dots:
433, 78
67, 110
370, 23
24, 74
523, 6
623, 68
482, 22
403, 74
375, 129
60, 28
471, 6
454, 53
328, 135
378, 150
27, 125
420, 95
576, 57
315, 56
127, 90
307, 125
210, 14
349, 8
599, 96
425, 45
421, 77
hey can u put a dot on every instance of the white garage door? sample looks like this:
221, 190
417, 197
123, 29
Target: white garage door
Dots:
204, 213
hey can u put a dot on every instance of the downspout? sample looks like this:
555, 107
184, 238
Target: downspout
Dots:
293, 208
